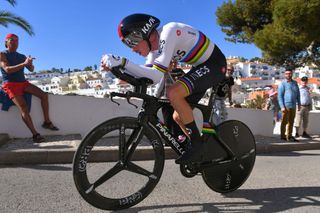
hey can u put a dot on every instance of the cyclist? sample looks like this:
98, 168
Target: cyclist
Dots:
173, 41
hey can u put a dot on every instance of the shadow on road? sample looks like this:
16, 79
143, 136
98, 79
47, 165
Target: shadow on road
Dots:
289, 154
260, 200
48, 167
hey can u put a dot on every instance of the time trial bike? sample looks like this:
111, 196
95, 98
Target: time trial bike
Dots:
229, 152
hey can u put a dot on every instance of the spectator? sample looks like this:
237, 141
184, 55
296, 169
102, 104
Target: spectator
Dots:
224, 91
288, 98
306, 106
272, 104
15, 85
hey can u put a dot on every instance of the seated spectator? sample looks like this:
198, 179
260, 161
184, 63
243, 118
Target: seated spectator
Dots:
273, 104
15, 85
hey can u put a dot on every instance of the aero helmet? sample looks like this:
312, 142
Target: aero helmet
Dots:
137, 27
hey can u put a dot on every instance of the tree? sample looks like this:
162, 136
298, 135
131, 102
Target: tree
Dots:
257, 103
7, 18
287, 31
88, 68
256, 59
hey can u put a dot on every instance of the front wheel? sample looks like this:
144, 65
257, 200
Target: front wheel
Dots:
126, 181
229, 174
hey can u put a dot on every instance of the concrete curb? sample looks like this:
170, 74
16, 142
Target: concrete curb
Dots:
4, 138
47, 156
286, 147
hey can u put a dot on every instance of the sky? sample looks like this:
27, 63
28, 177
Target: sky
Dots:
76, 33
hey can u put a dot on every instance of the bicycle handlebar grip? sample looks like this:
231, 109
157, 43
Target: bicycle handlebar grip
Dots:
124, 76
114, 94
140, 95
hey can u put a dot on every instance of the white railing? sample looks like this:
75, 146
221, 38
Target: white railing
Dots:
79, 114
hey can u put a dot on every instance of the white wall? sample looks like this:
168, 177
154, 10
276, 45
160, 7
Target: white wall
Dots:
259, 121
79, 114
72, 114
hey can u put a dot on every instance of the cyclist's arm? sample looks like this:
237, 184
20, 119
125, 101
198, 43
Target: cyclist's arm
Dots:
143, 71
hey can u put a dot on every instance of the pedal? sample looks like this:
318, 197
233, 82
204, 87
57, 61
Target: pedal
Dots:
189, 170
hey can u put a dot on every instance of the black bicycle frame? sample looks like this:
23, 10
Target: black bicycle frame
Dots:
148, 115
151, 106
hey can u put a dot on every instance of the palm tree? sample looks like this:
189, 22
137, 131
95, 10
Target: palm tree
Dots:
10, 18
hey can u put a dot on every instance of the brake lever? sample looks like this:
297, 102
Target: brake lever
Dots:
111, 98
128, 100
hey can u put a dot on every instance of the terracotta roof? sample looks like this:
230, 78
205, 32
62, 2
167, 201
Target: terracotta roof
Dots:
250, 79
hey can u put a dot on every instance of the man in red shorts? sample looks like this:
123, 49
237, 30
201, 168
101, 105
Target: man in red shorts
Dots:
12, 66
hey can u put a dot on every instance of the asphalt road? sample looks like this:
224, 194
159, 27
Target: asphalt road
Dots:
281, 182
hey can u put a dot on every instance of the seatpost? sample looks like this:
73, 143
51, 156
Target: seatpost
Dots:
212, 99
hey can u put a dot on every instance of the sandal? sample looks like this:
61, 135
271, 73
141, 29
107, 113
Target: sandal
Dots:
37, 138
50, 126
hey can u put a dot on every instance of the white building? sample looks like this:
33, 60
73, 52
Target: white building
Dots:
253, 69
42, 75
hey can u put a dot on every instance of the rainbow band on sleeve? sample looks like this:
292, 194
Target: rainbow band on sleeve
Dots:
185, 84
207, 129
160, 67
198, 50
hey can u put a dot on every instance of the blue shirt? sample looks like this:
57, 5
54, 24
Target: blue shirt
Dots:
13, 58
305, 95
289, 94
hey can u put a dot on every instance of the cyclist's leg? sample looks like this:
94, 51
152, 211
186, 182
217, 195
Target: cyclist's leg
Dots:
177, 119
193, 98
177, 94
170, 122
197, 80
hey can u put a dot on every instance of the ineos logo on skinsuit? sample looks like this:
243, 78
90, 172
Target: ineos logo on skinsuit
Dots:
200, 72
179, 55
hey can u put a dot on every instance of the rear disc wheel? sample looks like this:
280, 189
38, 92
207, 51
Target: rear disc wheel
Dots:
231, 174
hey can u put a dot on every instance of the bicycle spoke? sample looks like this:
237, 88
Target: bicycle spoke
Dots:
132, 167
122, 144
102, 189
135, 142
132, 137
109, 174
251, 152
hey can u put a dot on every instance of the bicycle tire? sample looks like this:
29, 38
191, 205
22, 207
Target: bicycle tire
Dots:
229, 175
129, 132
